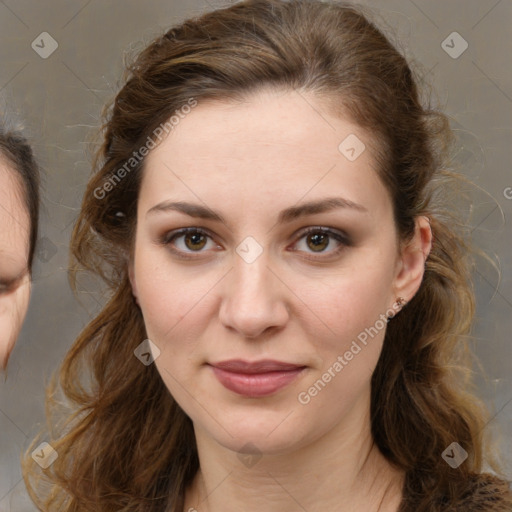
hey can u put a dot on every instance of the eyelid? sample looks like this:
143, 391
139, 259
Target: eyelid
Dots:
10, 284
7, 286
342, 235
175, 233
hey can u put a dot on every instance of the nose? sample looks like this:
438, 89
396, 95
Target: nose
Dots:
254, 299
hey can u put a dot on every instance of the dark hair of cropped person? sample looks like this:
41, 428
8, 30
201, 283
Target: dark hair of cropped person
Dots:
127, 445
17, 154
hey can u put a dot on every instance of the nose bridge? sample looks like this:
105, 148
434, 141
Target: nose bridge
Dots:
252, 301
251, 279
251, 273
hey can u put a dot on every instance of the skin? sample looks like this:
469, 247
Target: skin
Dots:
248, 162
14, 273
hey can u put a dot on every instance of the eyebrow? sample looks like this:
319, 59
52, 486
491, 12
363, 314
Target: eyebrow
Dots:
287, 215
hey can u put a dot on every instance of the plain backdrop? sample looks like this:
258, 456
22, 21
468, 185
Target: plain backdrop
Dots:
59, 98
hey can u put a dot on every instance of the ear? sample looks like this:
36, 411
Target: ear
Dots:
131, 276
411, 264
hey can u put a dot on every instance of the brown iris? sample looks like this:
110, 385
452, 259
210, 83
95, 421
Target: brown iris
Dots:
320, 241
195, 238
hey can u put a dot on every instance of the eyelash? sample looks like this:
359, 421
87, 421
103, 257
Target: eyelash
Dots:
343, 239
5, 287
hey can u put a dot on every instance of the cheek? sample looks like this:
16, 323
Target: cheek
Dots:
170, 301
350, 301
173, 307
352, 307
13, 309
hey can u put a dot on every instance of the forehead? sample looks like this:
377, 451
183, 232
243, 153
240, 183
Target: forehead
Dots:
289, 123
14, 219
277, 143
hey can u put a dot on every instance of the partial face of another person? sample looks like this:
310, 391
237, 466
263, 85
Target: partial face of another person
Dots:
259, 277
14, 250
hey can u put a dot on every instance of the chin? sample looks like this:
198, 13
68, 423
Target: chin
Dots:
256, 442
254, 429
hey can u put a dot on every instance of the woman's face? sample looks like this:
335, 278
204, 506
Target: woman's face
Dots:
255, 285
14, 248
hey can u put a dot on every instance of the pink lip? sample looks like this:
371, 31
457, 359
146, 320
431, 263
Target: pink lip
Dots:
256, 379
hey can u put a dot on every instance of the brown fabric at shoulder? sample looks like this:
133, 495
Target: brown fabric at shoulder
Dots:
486, 493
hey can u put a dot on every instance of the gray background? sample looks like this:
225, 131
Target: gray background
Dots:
60, 97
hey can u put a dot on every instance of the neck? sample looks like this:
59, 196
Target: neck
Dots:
343, 471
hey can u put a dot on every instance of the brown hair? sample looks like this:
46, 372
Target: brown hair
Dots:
120, 453
16, 151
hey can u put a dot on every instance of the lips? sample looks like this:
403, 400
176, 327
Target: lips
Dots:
255, 379
263, 366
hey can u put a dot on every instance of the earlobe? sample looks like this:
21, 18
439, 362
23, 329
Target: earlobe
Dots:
412, 261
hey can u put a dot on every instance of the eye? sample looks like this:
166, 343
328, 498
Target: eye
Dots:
318, 239
187, 240
6, 286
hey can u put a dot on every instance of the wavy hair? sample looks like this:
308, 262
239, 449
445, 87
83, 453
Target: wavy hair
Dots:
126, 444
